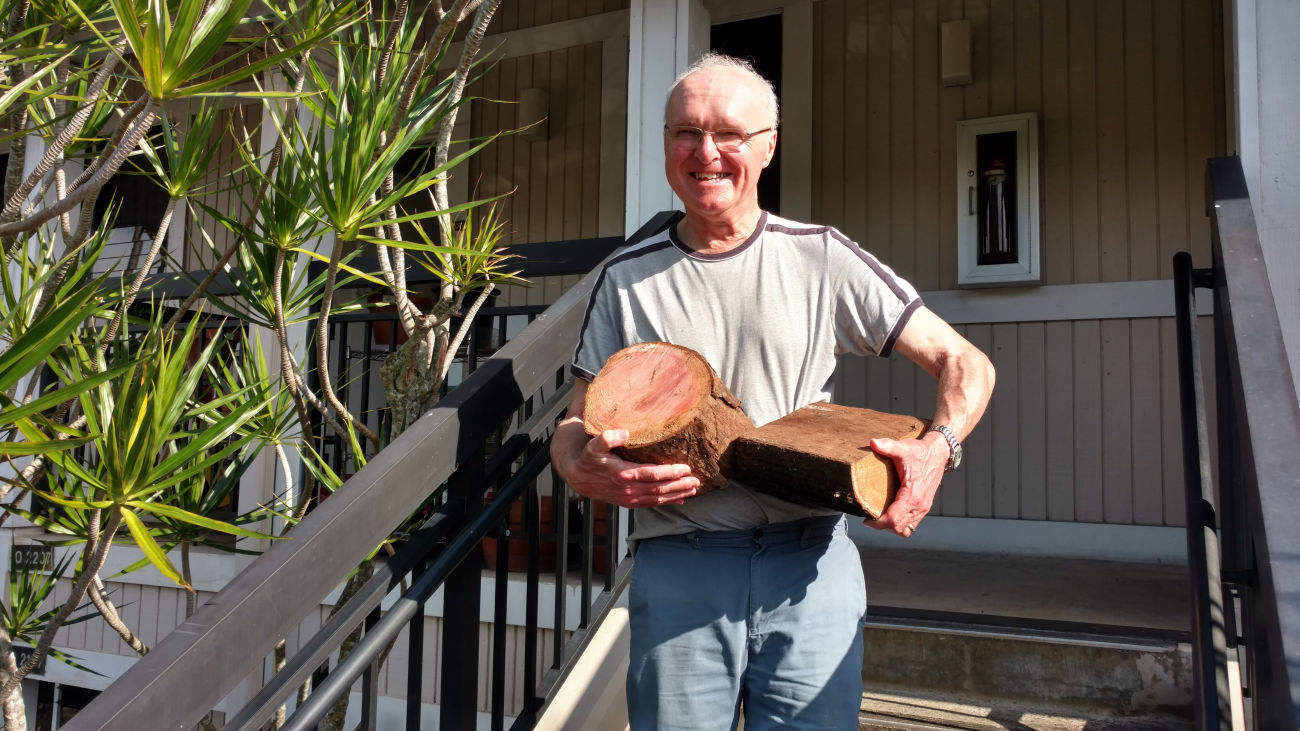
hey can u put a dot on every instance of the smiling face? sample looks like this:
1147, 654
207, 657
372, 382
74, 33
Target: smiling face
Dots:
715, 186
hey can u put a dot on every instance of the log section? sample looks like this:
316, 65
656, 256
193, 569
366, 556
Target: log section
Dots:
820, 456
675, 408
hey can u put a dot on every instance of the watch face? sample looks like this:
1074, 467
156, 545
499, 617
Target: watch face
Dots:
955, 460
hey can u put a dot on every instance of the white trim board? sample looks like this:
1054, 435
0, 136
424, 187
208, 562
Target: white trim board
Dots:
1038, 538
1096, 301
551, 37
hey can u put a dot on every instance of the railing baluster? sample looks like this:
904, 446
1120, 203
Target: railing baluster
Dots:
501, 597
414, 669
459, 695
370, 682
531, 600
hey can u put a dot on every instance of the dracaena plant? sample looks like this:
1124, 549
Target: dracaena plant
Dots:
115, 410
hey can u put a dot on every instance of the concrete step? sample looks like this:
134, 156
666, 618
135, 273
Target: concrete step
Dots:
978, 672
958, 641
897, 712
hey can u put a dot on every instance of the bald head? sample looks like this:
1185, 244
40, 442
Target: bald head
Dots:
744, 72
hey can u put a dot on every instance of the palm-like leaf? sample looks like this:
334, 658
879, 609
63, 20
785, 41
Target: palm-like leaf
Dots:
155, 432
22, 616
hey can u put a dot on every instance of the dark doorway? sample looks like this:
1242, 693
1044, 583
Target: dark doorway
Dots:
758, 40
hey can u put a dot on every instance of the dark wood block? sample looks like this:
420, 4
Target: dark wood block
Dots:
821, 456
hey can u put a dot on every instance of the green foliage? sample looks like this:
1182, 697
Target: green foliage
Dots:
118, 410
23, 617
151, 437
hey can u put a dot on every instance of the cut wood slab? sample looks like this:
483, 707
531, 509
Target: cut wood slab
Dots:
673, 405
821, 456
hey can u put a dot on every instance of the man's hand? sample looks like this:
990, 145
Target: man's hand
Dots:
600, 474
920, 464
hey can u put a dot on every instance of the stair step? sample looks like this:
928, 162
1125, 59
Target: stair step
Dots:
937, 670
897, 712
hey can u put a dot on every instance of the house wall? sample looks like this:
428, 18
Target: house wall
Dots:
1130, 98
227, 189
569, 184
1084, 421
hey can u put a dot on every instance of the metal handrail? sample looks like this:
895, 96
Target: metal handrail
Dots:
1258, 496
198, 664
1209, 641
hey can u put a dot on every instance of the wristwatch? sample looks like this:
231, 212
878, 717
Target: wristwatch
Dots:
954, 459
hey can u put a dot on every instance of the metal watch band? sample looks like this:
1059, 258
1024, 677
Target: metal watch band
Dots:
954, 458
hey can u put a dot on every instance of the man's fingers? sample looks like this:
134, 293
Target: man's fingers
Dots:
883, 445
611, 439
658, 473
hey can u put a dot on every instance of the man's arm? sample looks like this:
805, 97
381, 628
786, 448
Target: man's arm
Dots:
589, 466
965, 378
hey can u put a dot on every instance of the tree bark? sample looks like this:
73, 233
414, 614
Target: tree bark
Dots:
821, 456
673, 405
15, 710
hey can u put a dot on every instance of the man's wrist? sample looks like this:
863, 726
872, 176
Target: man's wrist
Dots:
946, 435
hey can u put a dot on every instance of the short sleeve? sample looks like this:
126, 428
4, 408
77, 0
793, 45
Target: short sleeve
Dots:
873, 304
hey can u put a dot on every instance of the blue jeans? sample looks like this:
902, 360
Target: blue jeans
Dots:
769, 618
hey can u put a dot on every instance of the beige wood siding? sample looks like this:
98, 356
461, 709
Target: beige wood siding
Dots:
532, 13
1083, 425
226, 189
555, 182
1130, 99
150, 611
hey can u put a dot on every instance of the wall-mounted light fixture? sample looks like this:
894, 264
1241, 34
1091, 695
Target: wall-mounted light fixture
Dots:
955, 45
533, 109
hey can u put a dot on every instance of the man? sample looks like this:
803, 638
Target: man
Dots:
740, 600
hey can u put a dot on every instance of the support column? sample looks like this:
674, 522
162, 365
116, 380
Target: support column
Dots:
1262, 62
664, 37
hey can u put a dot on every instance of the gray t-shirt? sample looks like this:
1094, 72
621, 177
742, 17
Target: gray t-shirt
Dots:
770, 316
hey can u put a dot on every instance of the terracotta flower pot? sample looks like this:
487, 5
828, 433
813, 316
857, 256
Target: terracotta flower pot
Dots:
599, 533
382, 330
517, 543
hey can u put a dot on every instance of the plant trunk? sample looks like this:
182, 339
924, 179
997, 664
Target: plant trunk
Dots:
339, 713
15, 710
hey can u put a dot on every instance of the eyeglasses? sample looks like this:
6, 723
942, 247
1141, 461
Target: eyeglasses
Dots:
726, 140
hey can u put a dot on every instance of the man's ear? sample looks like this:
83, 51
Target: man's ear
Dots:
771, 149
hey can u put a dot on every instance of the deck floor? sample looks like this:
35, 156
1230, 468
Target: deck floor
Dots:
1077, 591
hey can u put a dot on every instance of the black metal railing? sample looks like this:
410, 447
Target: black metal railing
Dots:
360, 341
489, 435
1243, 547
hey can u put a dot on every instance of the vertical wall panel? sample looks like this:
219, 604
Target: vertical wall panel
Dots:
879, 103
1087, 423
1140, 138
1083, 141
1112, 166
1117, 432
1148, 460
1058, 179
1031, 424
979, 468
1003, 422
929, 138
1060, 421
902, 122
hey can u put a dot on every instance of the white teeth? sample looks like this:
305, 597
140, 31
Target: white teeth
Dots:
710, 176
